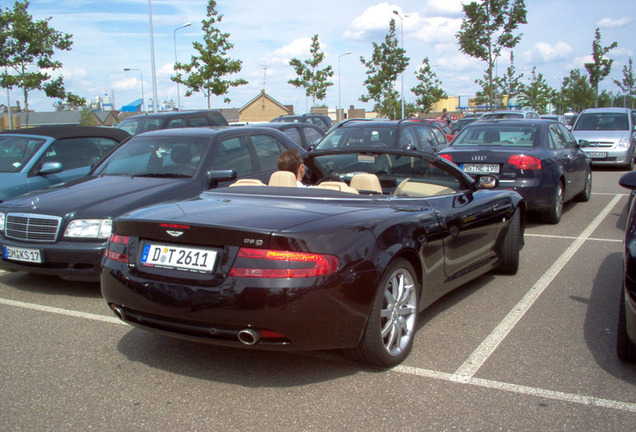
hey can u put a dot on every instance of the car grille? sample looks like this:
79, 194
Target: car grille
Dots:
600, 144
32, 227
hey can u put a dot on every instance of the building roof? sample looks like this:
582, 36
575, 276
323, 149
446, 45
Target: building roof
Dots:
50, 118
263, 94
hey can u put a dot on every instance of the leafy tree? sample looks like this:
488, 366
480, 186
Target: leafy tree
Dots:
486, 29
538, 94
75, 101
600, 66
206, 71
577, 92
25, 42
628, 83
383, 69
314, 80
510, 83
428, 90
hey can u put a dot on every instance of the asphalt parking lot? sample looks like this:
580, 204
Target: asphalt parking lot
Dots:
531, 352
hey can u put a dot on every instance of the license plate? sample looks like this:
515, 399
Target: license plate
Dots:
597, 155
22, 254
178, 258
480, 168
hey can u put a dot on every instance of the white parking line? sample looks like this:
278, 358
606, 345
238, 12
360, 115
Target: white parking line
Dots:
67, 312
477, 359
572, 238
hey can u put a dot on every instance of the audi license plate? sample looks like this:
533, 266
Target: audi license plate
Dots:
597, 155
480, 168
178, 258
22, 254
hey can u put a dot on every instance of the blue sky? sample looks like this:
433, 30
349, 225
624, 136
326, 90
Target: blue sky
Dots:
109, 36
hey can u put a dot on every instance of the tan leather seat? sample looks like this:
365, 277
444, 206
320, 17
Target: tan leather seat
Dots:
248, 182
366, 182
417, 189
283, 178
336, 185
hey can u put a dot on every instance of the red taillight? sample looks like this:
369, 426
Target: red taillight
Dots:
165, 225
117, 248
263, 263
525, 162
447, 157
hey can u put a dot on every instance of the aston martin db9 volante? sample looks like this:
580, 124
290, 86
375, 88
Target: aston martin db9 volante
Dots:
346, 262
626, 336
62, 231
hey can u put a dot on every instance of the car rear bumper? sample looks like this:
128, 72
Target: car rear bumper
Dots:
537, 196
69, 260
308, 313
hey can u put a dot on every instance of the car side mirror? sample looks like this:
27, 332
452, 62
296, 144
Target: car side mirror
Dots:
584, 143
51, 168
486, 181
216, 176
628, 180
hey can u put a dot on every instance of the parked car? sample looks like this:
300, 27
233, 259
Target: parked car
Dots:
348, 262
171, 120
303, 134
322, 121
555, 117
459, 124
413, 134
608, 135
445, 127
509, 114
540, 159
626, 335
38, 157
63, 231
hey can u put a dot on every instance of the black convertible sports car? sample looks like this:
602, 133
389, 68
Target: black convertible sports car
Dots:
347, 262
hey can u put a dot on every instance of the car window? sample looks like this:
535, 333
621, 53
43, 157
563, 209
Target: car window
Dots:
197, 121
15, 152
178, 122
500, 136
216, 119
73, 153
312, 136
294, 135
570, 141
557, 139
439, 136
427, 139
267, 151
359, 136
408, 138
233, 153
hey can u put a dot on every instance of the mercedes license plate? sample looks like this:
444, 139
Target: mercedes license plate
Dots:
22, 254
480, 168
178, 258
597, 155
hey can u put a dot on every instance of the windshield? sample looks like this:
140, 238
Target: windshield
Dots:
155, 157
500, 136
491, 116
359, 136
602, 121
135, 126
389, 168
16, 151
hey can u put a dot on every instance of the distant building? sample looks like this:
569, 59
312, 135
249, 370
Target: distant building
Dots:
262, 108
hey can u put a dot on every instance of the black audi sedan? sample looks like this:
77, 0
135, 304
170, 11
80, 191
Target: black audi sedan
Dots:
626, 335
346, 262
63, 230
540, 159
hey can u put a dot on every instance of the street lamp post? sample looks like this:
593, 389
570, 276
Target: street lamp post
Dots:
339, 85
141, 76
152, 61
188, 24
401, 46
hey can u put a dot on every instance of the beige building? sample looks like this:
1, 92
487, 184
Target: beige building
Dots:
262, 108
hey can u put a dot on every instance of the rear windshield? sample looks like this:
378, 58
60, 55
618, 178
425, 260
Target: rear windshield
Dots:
139, 125
362, 136
500, 136
602, 121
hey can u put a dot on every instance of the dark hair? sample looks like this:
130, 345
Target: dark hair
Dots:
289, 160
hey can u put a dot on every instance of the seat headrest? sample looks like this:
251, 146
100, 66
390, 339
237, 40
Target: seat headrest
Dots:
283, 178
366, 182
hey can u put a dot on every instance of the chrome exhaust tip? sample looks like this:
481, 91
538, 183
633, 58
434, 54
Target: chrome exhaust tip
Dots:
249, 337
119, 312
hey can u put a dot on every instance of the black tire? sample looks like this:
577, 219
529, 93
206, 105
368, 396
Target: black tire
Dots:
629, 166
553, 214
625, 348
509, 263
586, 193
390, 330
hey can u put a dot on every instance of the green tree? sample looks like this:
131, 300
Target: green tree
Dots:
628, 83
387, 62
428, 89
577, 92
538, 94
600, 66
314, 80
486, 29
510, 83
24, 43
206, 71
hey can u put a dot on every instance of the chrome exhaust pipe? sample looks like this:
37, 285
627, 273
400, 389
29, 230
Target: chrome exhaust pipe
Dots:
119, 312
249, 337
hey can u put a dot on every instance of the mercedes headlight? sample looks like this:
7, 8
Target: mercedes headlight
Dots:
1, 222
89, 228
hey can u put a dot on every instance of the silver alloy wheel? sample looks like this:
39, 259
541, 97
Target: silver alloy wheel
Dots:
558, 211
398, 315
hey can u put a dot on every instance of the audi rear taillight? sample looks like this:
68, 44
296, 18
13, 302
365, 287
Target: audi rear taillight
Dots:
267, 263
447, 157
117, 248
525, 162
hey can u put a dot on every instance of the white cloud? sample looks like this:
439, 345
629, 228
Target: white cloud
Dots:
374, 18
444, 8
611, 23
297, 48
544, 52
